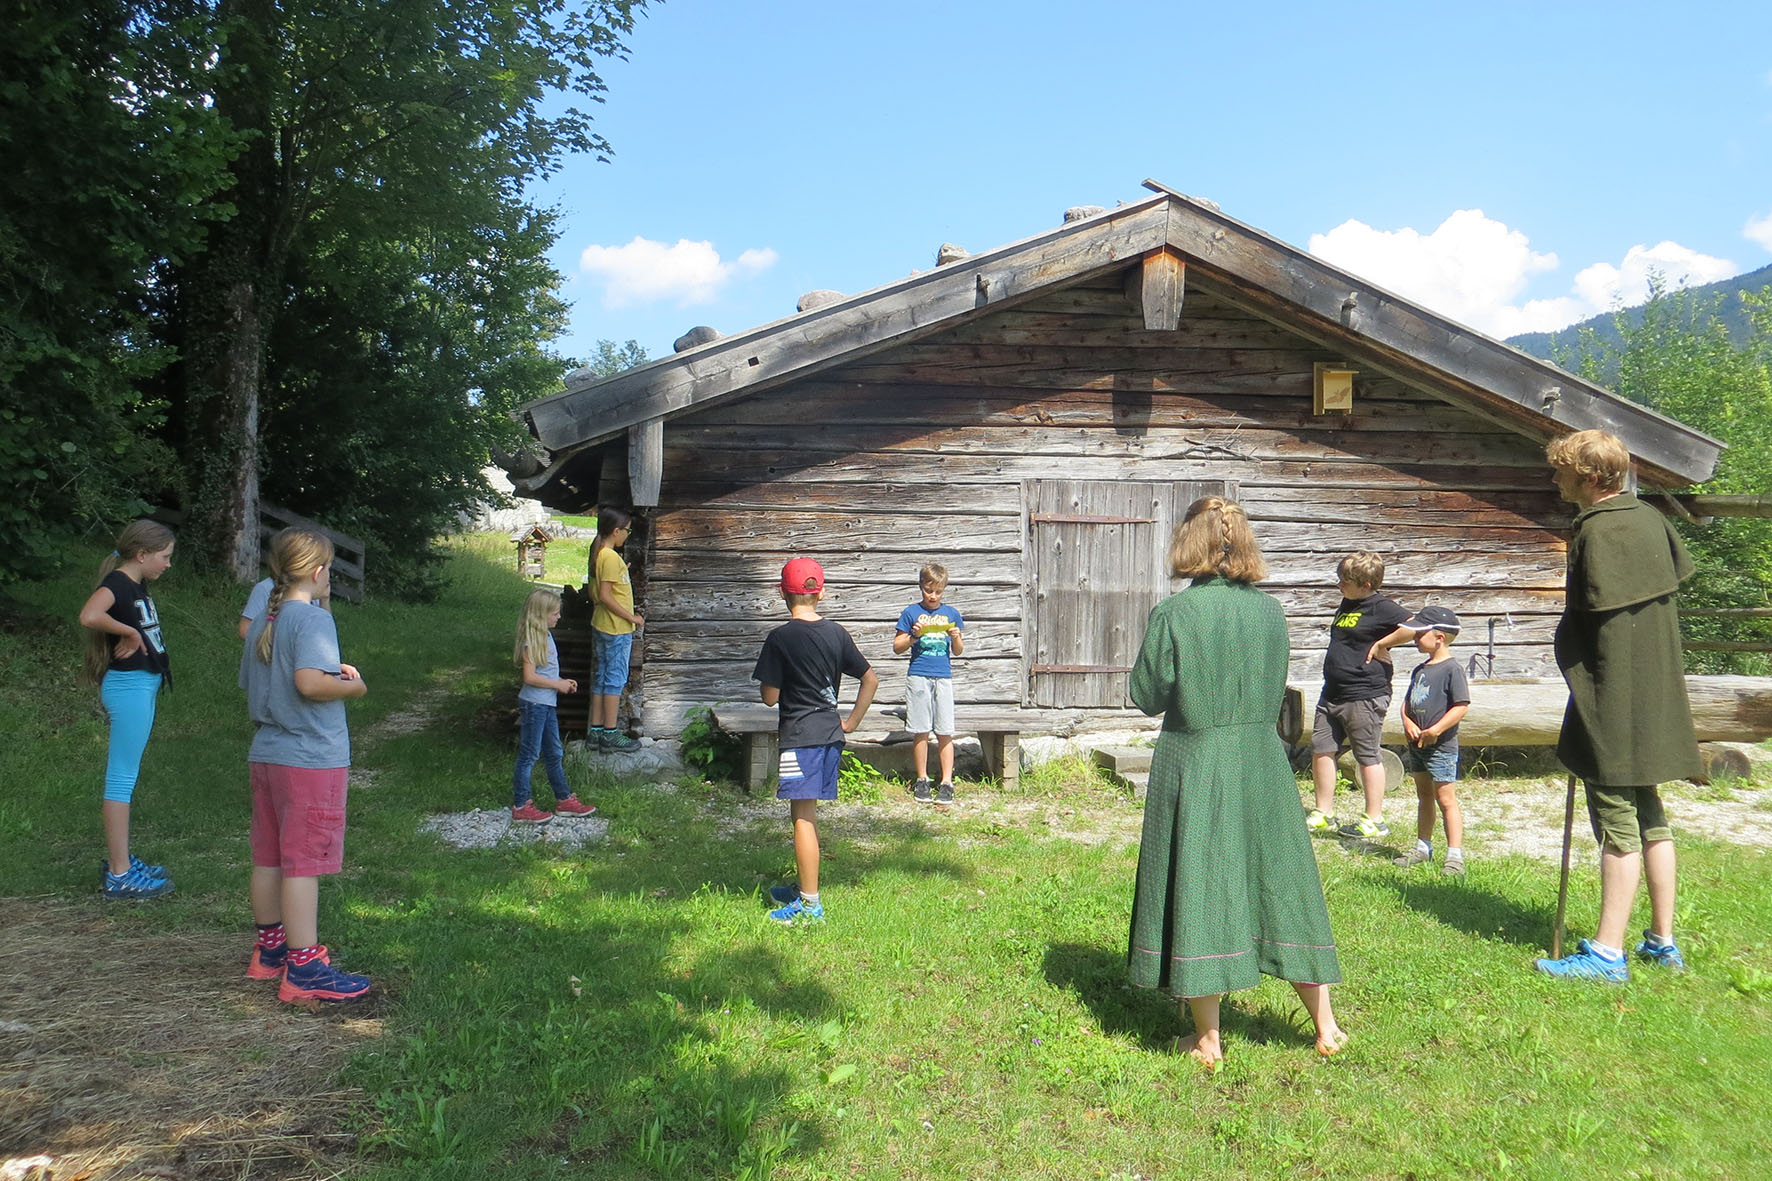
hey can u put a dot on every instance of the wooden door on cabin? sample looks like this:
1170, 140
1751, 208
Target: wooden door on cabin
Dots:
1100, 561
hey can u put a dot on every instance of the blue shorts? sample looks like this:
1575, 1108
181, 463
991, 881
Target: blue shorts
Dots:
809, 772
1440, 761
612, 652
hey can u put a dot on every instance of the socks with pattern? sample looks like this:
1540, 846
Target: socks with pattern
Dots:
301, 957
271, 936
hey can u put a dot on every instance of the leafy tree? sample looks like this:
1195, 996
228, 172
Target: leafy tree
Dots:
611, 358
356, 119
1683, 359
108, 152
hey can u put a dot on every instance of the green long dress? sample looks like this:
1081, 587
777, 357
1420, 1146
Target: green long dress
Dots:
1227, 881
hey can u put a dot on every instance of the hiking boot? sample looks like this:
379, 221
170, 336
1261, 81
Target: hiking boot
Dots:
318, 980
267, 963
920, 791
570, 806
944, 794
784, 894
1364, 829
1664, 955
797, 913
1413, 858
1586, 964
530, 814
1319, 823
1454, 867
135, 884
616, 741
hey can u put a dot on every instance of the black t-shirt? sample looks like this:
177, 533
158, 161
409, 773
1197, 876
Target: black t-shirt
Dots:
1347, 676
132, 605
807, 659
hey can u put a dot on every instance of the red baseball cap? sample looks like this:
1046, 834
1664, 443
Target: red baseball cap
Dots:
802, 576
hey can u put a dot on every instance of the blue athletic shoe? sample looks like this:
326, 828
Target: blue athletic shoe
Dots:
135, 884
784, 894
153, 871
318, 980
1664, 955
1586, 964
797, 912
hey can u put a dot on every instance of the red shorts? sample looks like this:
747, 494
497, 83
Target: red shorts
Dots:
298, 819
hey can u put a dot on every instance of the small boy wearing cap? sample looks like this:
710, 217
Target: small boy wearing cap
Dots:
1436, 702
802, 663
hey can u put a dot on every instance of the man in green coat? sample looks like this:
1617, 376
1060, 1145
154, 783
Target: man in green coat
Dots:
1628, 726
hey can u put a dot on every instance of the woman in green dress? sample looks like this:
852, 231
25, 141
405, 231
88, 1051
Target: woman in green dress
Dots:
1227, 881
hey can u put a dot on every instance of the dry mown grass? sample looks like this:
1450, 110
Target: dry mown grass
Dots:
124, 1055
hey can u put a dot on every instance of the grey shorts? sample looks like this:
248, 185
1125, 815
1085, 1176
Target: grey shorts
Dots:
1359, 724
929, 705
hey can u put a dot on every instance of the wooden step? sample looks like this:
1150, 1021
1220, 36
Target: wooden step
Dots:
1120, 760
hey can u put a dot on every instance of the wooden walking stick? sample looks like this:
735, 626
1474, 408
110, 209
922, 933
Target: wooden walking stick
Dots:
1563, 884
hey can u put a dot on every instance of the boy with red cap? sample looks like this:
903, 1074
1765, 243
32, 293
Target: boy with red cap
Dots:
802, 663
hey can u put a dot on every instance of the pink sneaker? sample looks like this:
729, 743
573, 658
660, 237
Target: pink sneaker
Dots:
530, 814
570, 806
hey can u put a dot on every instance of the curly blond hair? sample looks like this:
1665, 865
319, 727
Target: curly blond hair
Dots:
1599, 457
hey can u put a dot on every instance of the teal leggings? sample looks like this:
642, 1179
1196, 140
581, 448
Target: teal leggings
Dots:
129, 699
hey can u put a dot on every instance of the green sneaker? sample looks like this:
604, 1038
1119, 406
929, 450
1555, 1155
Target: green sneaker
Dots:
1319, 823
1364, 829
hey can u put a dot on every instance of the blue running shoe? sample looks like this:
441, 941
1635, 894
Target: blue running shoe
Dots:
1664, 955
318, 980
1586, 964
153, 871
135, 884
797, 913
784, 894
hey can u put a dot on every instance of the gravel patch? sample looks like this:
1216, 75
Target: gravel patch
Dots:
487, 828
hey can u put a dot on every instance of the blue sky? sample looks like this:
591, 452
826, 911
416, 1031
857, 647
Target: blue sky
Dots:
1517, 166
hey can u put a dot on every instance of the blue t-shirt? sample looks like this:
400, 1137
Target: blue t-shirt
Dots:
257, 600
294, 731
535, 694
930, 656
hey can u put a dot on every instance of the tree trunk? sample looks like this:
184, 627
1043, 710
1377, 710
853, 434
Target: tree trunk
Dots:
228, 294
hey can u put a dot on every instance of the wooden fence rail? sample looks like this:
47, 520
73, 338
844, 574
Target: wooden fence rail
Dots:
349, 556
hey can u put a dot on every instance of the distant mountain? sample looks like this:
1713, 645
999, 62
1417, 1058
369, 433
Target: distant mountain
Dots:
1605, 325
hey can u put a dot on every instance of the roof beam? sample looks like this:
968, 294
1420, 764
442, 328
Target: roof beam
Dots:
1329, 305
1156, 288
841, 332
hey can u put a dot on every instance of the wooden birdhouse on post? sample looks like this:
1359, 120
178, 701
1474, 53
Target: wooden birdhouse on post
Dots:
532, 552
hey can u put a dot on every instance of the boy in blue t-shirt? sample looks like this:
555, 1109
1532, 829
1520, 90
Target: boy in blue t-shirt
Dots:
931, 632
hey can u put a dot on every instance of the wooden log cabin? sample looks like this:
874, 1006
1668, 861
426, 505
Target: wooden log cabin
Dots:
1037, 418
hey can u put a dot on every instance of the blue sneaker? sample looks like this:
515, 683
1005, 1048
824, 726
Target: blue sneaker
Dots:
153, 871
318, 980
797, 912
784, 894
1586, 964
135, 884
1663, 955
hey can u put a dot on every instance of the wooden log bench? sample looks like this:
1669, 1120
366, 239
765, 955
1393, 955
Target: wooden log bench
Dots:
998, 731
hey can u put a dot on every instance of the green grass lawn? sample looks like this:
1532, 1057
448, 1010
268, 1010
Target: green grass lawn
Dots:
626, 1011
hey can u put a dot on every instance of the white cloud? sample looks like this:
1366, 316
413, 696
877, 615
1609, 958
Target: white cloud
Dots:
644, 271
1475, 269
1759, 230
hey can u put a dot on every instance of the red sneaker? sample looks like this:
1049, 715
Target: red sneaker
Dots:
267, 965
530, 814
570, 806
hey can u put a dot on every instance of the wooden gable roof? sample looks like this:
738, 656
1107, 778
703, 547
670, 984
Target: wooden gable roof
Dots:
1175, 241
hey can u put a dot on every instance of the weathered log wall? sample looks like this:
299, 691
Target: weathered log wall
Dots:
920, 452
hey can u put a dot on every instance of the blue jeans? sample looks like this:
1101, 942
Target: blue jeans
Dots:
129, 699
539, 738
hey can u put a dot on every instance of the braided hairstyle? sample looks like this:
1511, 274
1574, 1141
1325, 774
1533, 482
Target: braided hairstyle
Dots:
1214, 538
295, 552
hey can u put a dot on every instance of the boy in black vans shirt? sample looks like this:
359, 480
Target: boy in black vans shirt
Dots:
1356, 694
799, 669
